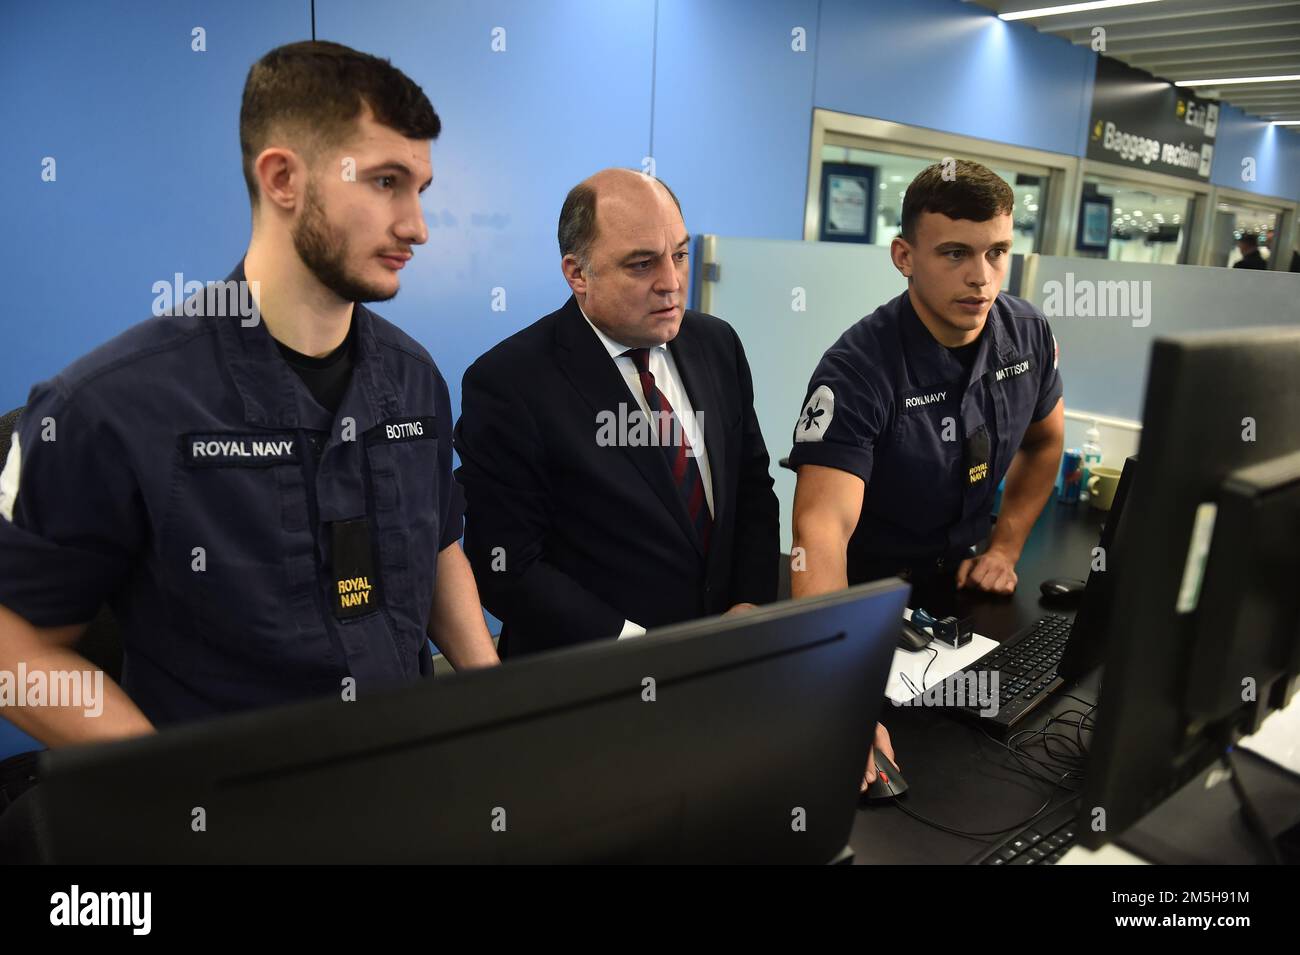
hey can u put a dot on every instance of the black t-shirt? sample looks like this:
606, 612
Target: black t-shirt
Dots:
326, 377
966, 353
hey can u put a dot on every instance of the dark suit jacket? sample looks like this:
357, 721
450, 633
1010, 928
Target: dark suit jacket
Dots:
568, 538
1252, 260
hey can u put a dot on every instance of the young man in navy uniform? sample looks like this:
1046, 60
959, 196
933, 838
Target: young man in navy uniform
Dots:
916, 414
265, 500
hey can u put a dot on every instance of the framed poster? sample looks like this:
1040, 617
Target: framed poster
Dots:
1094, 223
848, 202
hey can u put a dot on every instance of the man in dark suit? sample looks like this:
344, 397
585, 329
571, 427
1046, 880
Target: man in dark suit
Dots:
1251, 258
615, 475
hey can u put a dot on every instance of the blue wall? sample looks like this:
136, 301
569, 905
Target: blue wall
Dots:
145, 135
1275, 149
954, 67
144, 132
733, 113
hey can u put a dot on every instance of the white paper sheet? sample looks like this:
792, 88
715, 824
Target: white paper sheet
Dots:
913, 663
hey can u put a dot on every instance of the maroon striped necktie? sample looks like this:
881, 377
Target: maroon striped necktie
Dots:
676, 447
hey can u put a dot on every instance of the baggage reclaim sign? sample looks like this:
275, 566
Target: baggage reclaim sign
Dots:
1146, 123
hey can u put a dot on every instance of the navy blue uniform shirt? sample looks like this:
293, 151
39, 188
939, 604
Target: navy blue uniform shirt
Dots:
254, 547
931, 440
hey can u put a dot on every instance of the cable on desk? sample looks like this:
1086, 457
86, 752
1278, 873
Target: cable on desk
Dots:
1073, 763
1058, 756
935, 655
910, 683
1020, 756
984, 836
1080, 752
1086, 716
1065, 758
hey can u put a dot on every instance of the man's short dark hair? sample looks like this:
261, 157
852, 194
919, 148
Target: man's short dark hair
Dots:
577, 230
312, 92
1250, 240
969, 191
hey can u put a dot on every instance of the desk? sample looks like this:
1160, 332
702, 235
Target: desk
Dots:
961, 778
956, 775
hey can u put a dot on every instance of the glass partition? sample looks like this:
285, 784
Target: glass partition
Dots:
1232, 221
890, 174
1148, 223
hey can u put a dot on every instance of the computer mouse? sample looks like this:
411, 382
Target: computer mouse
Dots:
1062, 591
889, 781
913, 638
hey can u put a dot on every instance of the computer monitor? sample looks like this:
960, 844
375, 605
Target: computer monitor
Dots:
1090, 630
1205, 628
733, 739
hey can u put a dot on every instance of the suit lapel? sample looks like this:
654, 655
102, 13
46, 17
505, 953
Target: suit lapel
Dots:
594, 375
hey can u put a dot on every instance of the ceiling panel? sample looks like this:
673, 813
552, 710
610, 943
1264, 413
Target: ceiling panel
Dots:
1193, 40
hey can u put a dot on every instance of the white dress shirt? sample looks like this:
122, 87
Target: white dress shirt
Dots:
669, 381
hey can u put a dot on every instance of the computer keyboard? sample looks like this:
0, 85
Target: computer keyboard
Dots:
1042, 842
1026, 666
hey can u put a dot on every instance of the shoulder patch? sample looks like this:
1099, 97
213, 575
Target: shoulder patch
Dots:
9, 478
817, 415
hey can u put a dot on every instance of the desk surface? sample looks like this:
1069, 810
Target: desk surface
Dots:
959, 775
956, 774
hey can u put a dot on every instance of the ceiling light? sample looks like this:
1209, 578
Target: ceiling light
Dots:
1070, 8
1241, 79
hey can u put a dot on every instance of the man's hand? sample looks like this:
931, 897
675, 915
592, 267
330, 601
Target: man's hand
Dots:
740, 608
882, 741
994, 571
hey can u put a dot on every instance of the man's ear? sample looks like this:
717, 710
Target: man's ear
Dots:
281, 176
901, 253
574, 274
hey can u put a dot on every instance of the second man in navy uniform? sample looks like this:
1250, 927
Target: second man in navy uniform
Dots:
916, 414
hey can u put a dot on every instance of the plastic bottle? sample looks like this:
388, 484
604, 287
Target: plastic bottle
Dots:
1091, 457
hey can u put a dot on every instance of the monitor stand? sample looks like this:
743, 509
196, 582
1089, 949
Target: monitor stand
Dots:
1203, 822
